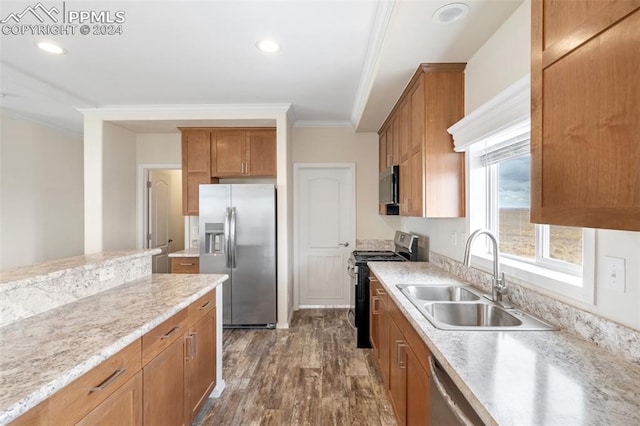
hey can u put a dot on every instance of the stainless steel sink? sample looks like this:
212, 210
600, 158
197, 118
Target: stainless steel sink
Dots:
437, 293
451, 307
471, 315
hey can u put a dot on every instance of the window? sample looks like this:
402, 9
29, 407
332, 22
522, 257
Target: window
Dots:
528, 250
509, 200
550, 259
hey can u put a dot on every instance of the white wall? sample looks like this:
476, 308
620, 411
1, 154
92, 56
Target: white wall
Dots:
501, 61
41, 196
344, 145
118, 188
158, 148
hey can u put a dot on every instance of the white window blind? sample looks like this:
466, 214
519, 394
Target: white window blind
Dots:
517, 147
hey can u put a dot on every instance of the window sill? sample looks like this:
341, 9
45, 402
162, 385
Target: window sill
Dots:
535, 277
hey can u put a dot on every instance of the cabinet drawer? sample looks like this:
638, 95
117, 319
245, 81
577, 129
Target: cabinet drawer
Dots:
185, 265
161, 337
202, 306
80, 397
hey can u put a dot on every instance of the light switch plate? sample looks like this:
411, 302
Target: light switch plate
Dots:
614, 272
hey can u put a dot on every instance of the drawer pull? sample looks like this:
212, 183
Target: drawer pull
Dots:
190, 347
380, 291
170, 333
187, 264
205, 305
102, 386
375, 309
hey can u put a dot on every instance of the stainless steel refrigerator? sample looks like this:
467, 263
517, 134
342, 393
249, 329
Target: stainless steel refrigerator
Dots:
238, 237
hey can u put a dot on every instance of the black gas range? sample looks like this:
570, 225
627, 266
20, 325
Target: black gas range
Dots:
406, 249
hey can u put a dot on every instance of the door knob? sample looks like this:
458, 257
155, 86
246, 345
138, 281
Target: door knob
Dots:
344, 244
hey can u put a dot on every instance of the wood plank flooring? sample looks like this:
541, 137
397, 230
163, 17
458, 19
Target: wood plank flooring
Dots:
310, 374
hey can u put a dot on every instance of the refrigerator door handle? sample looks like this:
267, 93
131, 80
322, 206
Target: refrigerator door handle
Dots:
233, 237
227, 237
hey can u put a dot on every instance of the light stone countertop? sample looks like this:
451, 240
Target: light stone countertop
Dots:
44, 270
190, 252
42, 354
522, 377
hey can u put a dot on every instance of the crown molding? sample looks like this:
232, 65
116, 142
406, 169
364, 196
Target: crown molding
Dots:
510, 109
381, 23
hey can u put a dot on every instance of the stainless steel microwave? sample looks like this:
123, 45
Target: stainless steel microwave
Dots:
389, 187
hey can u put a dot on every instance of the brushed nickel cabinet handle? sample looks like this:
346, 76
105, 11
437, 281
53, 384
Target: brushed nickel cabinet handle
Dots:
398, 343
374, 306
380, 291
170, 333
188, 348
205, 305
102, 386
194, 347
402, 363
187, 264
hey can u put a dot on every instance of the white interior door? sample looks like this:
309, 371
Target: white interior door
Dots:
325, 229
158, 235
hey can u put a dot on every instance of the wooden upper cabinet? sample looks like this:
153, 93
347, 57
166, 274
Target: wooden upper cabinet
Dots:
585, 96
243, 152
404, 131
228, 152
211, 153
382, 149
431, 173
261, 152
196, 167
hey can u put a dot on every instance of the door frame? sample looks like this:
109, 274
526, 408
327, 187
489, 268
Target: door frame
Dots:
297, 167
142, 208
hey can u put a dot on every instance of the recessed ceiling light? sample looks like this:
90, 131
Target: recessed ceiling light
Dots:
51, 47
268, 46
450, 13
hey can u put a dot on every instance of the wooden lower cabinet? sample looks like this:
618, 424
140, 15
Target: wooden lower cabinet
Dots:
403, 359
161, 379
185, 265
417, 391
123, 408
200, 363
398, 373
163, 395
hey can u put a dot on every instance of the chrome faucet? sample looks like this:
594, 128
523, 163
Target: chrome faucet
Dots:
499, 286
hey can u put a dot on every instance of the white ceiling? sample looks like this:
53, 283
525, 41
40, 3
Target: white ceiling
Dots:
341, 61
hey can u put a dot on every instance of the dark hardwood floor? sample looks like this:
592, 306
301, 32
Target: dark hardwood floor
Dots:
310, 374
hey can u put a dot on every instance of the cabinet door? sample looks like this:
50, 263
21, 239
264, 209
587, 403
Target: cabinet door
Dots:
585, 109
416, 185
374, 312
163, 390
123, 408
196, 167
228, 155
393, 142
404, 122
398, 372
261, 153
417, 117
200, 365
417, 392
382, 149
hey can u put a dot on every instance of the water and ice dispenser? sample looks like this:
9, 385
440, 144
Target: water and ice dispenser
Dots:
214, 238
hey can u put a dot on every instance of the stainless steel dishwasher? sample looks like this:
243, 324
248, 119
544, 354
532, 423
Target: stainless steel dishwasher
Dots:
447, 405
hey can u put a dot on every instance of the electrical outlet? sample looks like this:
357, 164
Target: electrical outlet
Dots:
614, 270
194, 230
106, 274
454, 238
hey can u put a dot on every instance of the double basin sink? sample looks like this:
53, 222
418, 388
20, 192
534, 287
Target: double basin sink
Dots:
458, 307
